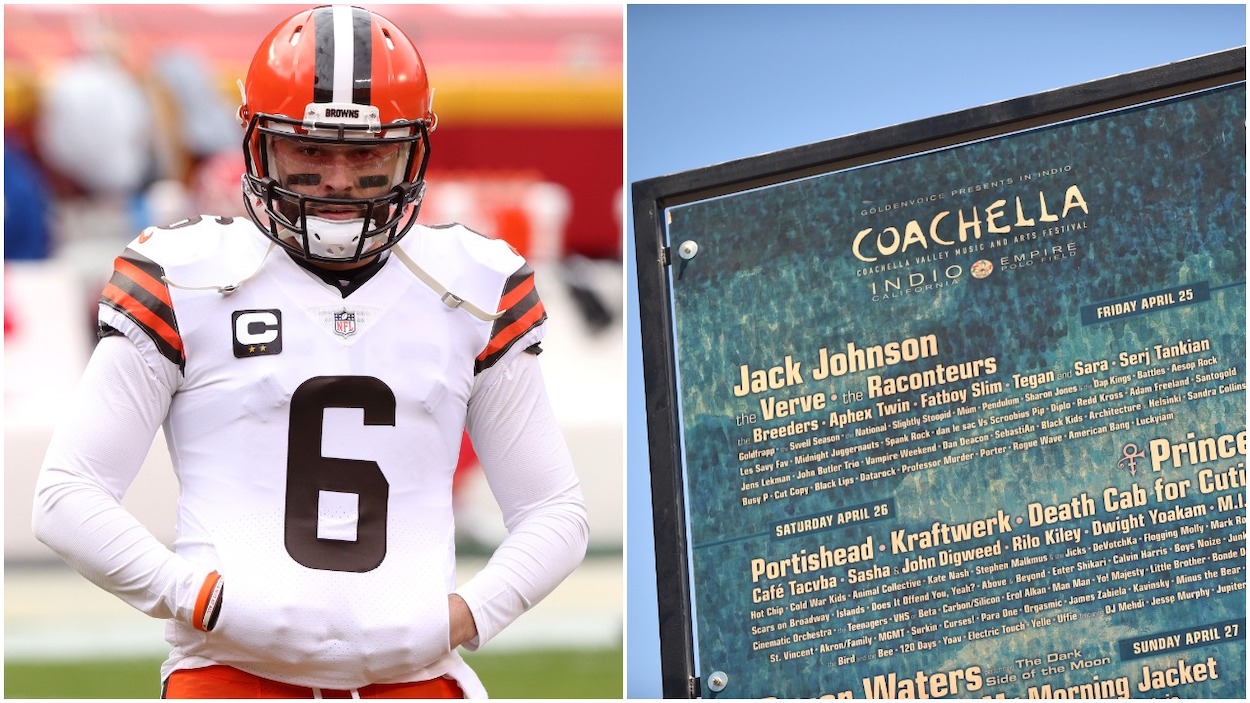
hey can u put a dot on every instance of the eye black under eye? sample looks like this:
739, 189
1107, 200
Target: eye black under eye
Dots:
303, 179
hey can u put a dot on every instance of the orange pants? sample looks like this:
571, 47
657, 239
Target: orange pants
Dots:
228, 682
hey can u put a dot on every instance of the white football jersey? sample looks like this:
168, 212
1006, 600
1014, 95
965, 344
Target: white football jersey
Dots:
315, 436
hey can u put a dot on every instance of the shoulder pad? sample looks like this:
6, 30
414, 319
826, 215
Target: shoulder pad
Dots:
471, 266
490, 274
203, 251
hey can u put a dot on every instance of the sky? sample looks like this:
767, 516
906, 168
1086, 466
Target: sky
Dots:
707, 84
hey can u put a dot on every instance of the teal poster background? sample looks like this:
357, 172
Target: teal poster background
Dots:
971, 423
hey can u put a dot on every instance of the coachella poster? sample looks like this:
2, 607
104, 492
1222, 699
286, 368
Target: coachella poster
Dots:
971, 422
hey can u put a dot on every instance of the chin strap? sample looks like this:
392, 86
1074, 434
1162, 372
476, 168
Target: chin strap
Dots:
226, 289
450, 299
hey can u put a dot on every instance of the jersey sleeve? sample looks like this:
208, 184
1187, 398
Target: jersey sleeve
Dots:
520, 325
136, 302
530, 471
94, 455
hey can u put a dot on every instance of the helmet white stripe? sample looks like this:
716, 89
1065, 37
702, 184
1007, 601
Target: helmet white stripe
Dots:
344, 68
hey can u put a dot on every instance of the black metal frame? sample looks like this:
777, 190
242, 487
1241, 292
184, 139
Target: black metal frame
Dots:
651, 198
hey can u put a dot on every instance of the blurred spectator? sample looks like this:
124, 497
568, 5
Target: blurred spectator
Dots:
26, 197
95, 126
163, 203
203, 123
26, 233
196, 144
216, 184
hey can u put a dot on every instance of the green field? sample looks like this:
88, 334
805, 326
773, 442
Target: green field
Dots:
580, 673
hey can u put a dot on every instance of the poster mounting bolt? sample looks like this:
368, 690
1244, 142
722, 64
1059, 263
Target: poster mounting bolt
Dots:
718, 680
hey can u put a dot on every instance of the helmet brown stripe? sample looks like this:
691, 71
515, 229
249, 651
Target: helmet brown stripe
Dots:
362, 66
323, 75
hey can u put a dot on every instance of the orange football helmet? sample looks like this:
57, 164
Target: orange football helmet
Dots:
328, 77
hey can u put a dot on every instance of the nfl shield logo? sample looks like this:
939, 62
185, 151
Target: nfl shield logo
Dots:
345, 323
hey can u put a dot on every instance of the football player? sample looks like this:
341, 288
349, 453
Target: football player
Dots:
314, 367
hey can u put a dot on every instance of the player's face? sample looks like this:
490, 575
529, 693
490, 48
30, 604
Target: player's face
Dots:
335, 171
335, 182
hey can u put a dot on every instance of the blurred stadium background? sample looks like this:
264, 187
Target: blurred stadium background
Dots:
122, 116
